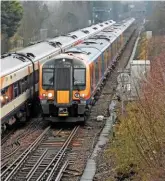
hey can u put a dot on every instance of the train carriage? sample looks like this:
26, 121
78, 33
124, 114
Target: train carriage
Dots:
69, 82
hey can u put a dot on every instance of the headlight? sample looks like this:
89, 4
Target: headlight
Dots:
50, 95
83, 95
77, 95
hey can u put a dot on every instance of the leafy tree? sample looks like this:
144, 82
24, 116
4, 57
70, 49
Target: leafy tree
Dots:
11, 14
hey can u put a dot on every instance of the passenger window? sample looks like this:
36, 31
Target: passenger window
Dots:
4, 97
21, 86
31, 80
26, 82
15, 90
48, 78
79, 79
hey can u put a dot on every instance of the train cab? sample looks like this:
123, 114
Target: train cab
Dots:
64, 87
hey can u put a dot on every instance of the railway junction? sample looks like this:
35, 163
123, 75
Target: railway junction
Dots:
64, 102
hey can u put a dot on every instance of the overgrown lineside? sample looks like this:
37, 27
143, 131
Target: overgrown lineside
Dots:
139, 143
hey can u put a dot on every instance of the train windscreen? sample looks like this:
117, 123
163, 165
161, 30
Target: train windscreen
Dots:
59, 68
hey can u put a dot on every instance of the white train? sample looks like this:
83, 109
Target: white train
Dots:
20, 72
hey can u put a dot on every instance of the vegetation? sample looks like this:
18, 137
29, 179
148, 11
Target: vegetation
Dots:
156, 20
11, 14
42, 19
35, 13
139, 143
141, 51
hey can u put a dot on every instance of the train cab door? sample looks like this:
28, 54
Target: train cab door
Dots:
63, 83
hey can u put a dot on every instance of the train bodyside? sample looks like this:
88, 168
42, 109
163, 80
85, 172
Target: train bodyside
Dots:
96, 55
99, 65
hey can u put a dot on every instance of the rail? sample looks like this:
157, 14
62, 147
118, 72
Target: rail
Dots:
44, 159
49, 171
60, 174
10, 171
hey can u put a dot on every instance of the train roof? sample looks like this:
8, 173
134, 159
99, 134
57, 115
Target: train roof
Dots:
98, 43
82, 33
9, 62
115, 30
44, 49
91, 48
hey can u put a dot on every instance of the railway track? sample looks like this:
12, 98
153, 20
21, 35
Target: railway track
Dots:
14, 143
4, 138
45, 159
28, 126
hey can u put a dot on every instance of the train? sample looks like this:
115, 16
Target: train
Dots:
19, 74
69, 84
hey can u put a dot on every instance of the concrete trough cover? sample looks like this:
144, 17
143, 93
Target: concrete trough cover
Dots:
90, 168
89, 171
100, 118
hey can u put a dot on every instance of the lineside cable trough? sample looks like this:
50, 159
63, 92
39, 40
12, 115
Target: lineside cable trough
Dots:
90, 168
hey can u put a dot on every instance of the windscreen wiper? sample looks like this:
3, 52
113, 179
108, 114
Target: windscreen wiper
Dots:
77, 87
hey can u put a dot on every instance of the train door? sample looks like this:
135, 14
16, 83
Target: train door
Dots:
97, 71
92, 76
63, 82
102, 63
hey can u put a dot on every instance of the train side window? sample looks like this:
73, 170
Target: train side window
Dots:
3, 91
48, 76
26, 82
21, 86
15, 90
4, 97
79, 79
31, 80
28, 79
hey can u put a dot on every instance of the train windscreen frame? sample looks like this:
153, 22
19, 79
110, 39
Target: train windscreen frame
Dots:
79, 74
